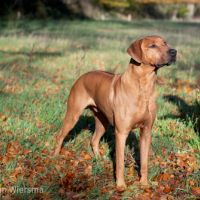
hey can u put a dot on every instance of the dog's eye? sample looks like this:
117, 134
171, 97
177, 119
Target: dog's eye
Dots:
152, 46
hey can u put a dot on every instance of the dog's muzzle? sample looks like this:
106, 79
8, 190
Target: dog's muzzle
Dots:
172, 58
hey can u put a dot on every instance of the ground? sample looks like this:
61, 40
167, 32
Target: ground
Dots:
39, 61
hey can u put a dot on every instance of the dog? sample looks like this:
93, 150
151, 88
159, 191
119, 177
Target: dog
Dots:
126, 101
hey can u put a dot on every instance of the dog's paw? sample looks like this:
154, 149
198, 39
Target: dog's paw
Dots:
144, 183
54, 153
121, 187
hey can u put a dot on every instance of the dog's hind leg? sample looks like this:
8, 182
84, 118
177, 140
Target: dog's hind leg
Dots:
75, 107
101, 124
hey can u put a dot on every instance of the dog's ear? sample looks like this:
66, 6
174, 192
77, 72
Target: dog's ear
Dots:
135, 51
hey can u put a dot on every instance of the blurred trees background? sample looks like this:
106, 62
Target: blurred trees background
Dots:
100, 9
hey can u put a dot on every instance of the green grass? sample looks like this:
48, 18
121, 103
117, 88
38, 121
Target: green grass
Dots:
39, 61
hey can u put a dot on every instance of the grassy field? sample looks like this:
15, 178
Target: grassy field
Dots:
39, 61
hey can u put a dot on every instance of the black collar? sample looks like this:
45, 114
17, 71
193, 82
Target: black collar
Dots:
132, 61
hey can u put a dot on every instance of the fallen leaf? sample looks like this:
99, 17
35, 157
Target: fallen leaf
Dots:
167, 189
66, 153
13, 148
165, 177
104, 190
40, 169
3, 117
196, 191
26, 151
87, 157
192, 182
6, 159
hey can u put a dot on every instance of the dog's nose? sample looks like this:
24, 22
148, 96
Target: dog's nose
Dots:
173, 52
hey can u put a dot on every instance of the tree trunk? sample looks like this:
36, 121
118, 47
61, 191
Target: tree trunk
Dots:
191, 9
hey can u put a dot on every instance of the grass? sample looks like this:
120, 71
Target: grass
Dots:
39, 61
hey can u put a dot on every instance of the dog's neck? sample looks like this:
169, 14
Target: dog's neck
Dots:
139, 72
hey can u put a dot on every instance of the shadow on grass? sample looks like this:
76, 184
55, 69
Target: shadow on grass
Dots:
187, 112
32, 53
88, 122
20, 68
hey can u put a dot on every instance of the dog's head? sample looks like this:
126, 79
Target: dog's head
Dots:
152, 50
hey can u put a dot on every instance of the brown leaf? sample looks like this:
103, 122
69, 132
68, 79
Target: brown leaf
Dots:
192, 182
167, 189
196, 191
87, 157
66, 153
26, 151
165, 177
3, 117
45, 151
6, 159
13, 148
17, 171
74, 163
105, 190
163, 164
39, 169
160, 189
9, 132
13, 178
70, 175
47, 160
6, 181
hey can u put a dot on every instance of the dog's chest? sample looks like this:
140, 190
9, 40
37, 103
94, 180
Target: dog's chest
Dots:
134, 113
132, 105
141, 111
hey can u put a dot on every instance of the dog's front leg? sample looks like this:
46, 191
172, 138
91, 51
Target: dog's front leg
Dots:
145, 141
120, 146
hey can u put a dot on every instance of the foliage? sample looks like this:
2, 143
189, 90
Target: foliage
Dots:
94, 9
115, 3
182, 11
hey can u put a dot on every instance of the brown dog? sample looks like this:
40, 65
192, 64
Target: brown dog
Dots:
126, 101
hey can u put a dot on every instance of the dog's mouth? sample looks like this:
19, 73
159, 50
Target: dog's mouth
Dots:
171, 61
